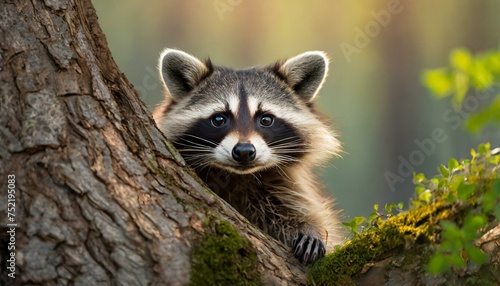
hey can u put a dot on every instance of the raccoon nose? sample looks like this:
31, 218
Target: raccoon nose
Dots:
244, 152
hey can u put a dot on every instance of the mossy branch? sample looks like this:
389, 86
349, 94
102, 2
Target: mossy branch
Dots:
435, 239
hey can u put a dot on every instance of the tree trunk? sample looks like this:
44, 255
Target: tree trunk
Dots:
100, 196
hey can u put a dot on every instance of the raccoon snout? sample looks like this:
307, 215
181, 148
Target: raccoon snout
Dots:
244, 152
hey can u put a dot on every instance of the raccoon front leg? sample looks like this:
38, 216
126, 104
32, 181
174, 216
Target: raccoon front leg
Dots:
303, 216
308, 246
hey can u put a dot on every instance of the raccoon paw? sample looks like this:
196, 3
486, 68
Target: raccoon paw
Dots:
308, 248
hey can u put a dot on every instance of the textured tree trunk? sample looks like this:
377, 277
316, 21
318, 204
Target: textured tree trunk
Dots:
100, 196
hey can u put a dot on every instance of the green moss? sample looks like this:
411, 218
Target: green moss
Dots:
339, 267
223, 257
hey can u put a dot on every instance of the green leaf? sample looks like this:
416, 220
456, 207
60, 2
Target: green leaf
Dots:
483, 149
401, 205
351, 226
476, 255
443, 170
418, 178
474, 223
460, 59
373, 216
451, 197
446, 246
473, 153
465, 190
456, 260
359, 220
389, 207
491, 198
496, 187
461, 85
452, 164
490, 115
425, 196
438, 264
455, 182
438, 81
419, 190
451, 231
481, 76
375, 207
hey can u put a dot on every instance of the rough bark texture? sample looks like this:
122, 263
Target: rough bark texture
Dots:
101, 198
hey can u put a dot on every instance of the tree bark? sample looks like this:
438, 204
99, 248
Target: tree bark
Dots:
100, 196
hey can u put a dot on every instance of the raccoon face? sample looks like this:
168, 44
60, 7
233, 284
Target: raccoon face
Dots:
244, 121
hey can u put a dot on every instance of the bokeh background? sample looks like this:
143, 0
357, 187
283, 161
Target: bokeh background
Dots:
374, 93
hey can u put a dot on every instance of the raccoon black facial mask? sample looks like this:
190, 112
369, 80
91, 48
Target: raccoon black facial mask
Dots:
253, 136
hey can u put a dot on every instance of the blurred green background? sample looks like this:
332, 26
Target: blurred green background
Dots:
374, 92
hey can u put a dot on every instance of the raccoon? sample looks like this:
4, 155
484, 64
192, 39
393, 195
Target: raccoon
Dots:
253, 136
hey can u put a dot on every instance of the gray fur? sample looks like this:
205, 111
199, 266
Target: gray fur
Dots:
305, 73
277, 191
181, 72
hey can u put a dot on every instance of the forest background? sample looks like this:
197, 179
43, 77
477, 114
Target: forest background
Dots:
389, 123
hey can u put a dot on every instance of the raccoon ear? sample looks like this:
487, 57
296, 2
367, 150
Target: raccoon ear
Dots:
181, 72
304, 73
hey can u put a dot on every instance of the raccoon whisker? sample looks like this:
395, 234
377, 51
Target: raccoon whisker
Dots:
191, 143
202, 139
284, 144
287, 151
196, 160
200, 165
195, 150
287, 159
297, 139
288, 143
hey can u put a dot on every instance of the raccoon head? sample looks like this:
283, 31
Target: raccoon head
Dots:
244, 121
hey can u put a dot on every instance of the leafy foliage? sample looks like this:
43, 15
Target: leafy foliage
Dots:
359, 223
450, 210
472, 82
474, 186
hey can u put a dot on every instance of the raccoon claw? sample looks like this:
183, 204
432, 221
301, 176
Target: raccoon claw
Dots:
308, 248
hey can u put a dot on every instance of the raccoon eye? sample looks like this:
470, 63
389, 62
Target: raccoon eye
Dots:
218, 120
266, 120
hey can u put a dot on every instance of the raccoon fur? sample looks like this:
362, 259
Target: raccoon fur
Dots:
253, 136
